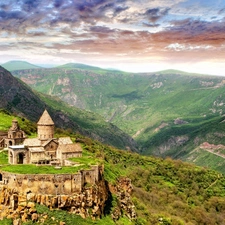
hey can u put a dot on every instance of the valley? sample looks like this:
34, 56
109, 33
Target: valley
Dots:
18, 98
168, 113
165, 191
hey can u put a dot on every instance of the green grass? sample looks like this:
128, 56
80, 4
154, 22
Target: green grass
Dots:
6, 122
204, 158
33, 169
6, 221
71, 219
86, 160
3, 157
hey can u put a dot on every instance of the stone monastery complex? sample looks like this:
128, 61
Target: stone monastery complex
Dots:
45, 149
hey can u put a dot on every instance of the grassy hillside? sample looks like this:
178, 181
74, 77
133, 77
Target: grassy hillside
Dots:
155, 108
18, 65
176, 192
165, 191
6, 121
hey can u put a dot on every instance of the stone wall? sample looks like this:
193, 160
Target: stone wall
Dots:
52, 183
45, 132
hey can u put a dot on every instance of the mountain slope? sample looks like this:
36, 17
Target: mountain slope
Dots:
18, 65
165, 191
18, 98
168, 113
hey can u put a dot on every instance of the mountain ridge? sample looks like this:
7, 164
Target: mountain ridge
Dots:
19, 65
22, 65
18, 98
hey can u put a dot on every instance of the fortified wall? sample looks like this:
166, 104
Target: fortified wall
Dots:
52, 184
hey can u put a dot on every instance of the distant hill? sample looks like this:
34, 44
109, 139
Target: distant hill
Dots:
78, 66
18, 65
18, 98
72, 66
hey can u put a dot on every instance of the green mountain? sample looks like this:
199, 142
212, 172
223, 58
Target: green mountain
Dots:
18, 65
168, 113
18, 98
79, 66
165, 191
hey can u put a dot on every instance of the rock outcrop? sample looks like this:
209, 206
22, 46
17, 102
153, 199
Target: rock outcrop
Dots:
123, 190
90, 202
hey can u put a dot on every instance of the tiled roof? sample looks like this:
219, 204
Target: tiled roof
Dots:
65, 140
45, 119
66, 148
32, 142
36, 149
49, 140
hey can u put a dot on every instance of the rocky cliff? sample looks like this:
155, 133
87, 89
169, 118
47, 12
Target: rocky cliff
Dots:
123, 190
90, 202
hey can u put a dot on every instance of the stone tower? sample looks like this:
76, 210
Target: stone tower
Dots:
15, 135
45, 127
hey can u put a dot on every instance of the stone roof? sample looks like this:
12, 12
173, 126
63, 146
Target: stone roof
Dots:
45, 119
36, 149
32, 142
70, 148
49, 140
64, 140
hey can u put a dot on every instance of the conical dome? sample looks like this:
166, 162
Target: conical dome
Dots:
45, 127
45, 119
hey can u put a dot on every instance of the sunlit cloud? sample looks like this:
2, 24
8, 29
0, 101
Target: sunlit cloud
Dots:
146, 34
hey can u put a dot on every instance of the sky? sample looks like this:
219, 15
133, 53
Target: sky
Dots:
131, 35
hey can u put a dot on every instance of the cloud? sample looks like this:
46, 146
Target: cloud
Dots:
155, 14
120, 9
113, 29
151, 25
197, 31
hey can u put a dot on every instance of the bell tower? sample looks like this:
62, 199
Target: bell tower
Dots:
45, 127
15, 135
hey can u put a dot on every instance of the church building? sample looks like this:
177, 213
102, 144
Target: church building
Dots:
44, 149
